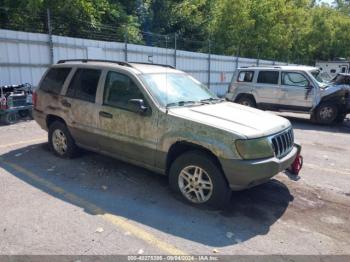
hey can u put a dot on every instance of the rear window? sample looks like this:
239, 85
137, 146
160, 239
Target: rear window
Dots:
54, 80
84, 84
268, 77
245, 76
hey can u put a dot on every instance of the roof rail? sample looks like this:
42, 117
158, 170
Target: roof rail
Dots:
94, 60
144, 63
110, 61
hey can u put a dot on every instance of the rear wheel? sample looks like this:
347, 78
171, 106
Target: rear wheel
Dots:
246, 101
326, 113
60, 140
196, 177
23, 113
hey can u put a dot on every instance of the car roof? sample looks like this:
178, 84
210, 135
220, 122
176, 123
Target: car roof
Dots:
286, 67
134, 67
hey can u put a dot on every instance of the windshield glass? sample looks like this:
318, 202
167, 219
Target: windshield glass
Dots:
321, 77
176, 88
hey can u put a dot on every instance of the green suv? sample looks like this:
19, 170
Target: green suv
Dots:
162, 119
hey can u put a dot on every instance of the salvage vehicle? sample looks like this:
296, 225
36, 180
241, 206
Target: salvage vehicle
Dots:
290, 88
164, 120
15, 102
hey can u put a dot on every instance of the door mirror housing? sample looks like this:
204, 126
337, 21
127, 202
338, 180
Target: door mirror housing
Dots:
137, 106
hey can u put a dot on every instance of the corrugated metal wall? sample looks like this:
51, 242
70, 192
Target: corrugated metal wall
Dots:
25, 56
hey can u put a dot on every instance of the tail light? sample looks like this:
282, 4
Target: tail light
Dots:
3, 103
34, 99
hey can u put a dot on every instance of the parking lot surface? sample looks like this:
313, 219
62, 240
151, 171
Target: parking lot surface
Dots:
94, 204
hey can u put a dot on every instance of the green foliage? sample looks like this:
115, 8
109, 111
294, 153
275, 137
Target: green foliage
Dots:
300, 31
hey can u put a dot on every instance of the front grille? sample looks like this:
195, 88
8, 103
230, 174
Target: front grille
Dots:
283, 143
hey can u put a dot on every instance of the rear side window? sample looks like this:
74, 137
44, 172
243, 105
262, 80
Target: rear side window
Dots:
268, 77
54, 80
119, 89
245, 76
84, 84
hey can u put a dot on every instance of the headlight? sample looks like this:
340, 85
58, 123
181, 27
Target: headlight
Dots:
254, 148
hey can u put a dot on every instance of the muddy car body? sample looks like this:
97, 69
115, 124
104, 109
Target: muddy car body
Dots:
290, 88
206, 145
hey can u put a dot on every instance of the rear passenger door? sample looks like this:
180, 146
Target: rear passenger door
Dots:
81, 109
267, 87
124, 133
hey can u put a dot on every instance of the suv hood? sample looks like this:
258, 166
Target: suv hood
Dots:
238, 119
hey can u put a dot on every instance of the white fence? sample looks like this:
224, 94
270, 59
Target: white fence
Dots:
24, 57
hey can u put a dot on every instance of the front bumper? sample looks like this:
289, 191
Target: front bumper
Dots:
243, 174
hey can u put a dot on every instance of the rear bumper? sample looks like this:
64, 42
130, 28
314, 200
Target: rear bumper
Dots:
243, 174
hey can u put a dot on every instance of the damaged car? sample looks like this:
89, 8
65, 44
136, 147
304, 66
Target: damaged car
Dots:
164, 120
291, 88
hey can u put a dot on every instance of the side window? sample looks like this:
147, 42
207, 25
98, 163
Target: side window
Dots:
245, 76
268, 77
54, 80
333, 71
294, 79
84, 84
119, 89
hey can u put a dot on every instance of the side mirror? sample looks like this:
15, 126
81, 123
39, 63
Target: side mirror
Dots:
137, 106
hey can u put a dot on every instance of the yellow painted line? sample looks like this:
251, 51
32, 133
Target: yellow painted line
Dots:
327, 169
119, 221
24, 142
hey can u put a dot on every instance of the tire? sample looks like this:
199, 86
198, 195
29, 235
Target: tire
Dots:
246, 101
215, 190
9, 118
61, 141
23, 113
326, 113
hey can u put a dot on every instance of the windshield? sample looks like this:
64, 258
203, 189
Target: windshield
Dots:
321, 77
171, 89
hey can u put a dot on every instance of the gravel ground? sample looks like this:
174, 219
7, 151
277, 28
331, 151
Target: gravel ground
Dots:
97, 205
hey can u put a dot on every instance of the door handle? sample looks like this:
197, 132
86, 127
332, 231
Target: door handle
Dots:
65, 103
105, 114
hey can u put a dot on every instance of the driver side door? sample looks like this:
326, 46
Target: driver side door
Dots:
126, 134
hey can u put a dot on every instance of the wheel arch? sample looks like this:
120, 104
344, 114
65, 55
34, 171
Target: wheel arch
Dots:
181, 147
241, 95
53, 118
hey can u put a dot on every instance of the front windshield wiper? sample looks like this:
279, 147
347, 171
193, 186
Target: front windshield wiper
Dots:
181, 103
212, 99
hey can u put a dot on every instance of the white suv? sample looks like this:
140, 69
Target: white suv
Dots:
290, 88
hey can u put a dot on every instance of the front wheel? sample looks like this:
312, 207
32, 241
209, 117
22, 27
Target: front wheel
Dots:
326, 113
196, 177
9, 118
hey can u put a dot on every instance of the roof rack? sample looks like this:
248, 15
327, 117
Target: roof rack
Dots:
144, 63
266, 66
110, 61
94, 60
